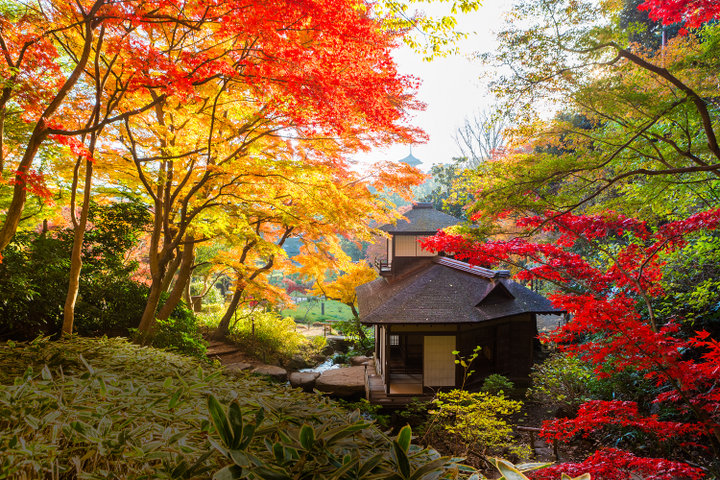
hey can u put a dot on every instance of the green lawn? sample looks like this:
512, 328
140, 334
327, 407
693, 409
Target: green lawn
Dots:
311, 311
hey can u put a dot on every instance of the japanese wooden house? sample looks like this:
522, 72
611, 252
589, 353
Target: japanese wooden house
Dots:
423, 307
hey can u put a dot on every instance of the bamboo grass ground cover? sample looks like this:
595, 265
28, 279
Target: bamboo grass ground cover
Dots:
106, 408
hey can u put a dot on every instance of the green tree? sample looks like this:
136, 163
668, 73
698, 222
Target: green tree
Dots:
643, 30
444, 188
35, 270
651, 146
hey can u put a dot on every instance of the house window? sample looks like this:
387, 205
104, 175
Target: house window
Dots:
394, 340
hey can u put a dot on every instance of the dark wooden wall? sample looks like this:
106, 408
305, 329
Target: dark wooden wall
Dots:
507, 347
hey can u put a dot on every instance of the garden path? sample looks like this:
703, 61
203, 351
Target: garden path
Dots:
229, 354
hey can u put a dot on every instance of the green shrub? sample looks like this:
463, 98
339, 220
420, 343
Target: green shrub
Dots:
497, 384
477, 421
565, 382
208, 320
213, 298
35, 270
362, 337
214, 308
318, 343
341, 359
562, 382
629, 385
102, 408
267, 335
415, 413
326, 451
180, 333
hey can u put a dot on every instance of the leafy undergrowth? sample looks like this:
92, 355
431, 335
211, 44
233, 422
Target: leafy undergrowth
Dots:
105, 408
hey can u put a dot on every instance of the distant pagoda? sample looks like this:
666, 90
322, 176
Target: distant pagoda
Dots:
411, 160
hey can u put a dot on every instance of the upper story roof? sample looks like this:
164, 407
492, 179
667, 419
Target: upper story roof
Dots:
421, 218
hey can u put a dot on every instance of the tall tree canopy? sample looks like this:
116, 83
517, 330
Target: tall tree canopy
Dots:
638, 129
213, 113
323, 69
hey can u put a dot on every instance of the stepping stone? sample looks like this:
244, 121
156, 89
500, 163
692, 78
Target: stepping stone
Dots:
222, 349
238, 367
297, 362
272, 371
304, 380
544, 453
342, 382
235, 357
339, 343
359, 360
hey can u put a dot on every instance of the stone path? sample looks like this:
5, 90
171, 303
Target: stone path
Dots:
234, 360
543, 451
227, 353
341, 382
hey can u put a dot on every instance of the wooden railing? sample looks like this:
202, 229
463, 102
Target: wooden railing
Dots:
384, 267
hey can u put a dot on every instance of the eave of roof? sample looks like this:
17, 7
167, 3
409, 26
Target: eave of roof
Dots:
411, 160
439, 293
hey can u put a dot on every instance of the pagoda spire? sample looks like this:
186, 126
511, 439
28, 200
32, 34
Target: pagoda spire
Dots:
411, 160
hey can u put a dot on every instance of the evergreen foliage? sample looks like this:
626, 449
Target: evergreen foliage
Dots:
104, 408
34, 277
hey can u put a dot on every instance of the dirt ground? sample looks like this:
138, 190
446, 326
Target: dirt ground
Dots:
312, 331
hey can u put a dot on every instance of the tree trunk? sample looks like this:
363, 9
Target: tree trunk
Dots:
183, 278
356, 320
17, 204
224, 326
170, 273
187, 298
76, 255
146, 329
3, 113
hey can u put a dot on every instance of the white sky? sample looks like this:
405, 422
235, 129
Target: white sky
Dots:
451, 88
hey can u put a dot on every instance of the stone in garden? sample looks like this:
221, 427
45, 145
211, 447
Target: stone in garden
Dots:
359, 360
221, 348
342, 382
272, 371
318, 359
297, 362
339, 343
238, 367
304, 380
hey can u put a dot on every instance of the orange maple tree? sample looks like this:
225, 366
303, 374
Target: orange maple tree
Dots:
288, 88
201, 95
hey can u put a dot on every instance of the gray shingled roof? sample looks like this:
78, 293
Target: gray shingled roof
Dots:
422, 218
411, 160
440, 293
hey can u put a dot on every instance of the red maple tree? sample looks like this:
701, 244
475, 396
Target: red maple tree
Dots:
610, 271
314, 69
693, 12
